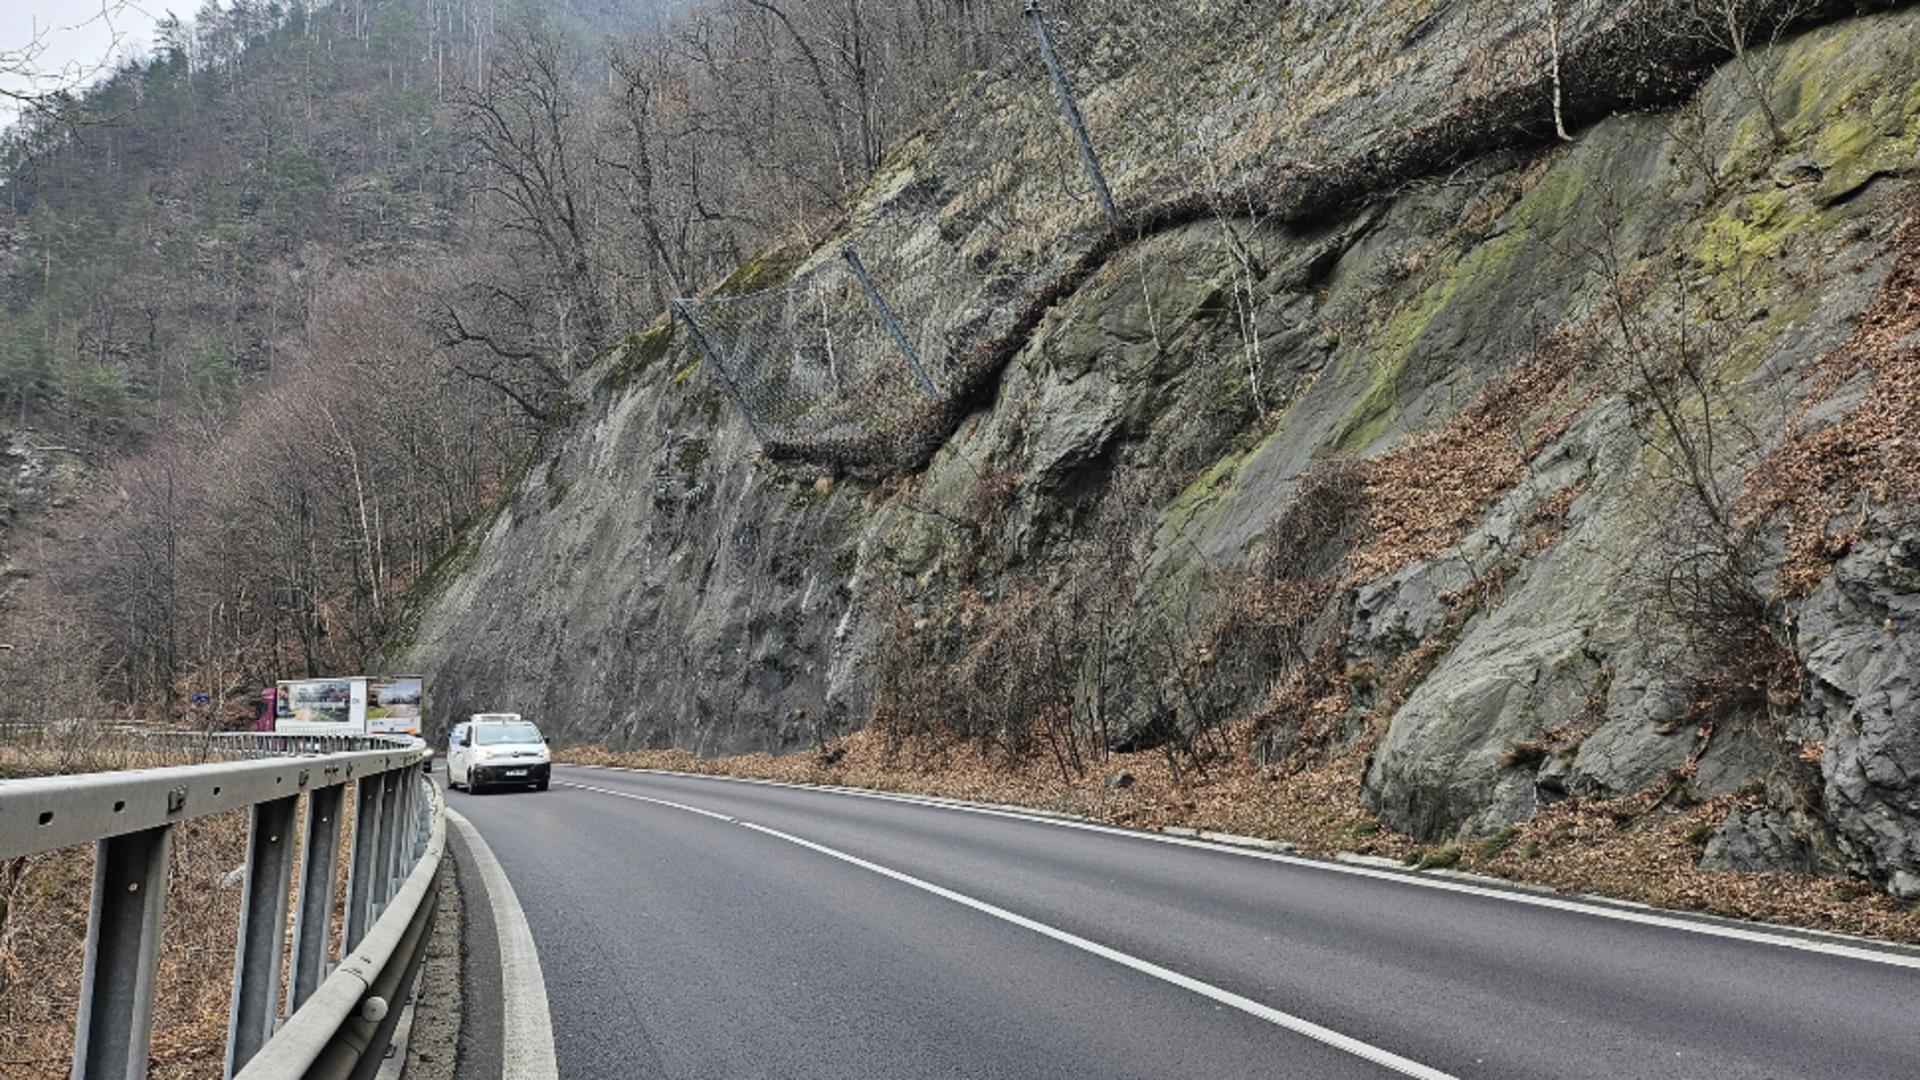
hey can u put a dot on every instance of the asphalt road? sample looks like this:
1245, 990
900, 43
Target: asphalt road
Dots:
802, 933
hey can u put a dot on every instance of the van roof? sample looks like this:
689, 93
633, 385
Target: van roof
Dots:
496, 718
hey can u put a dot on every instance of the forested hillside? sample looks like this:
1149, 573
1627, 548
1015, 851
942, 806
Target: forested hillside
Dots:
282, 304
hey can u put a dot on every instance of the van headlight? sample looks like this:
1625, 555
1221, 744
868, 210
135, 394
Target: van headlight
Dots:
481, 753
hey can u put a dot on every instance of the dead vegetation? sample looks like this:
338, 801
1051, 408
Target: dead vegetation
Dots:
1647, 53
43, 926
1617, 848
1826, 480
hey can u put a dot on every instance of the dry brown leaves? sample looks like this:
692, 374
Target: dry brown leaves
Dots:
1823, 480
1627, 848
1425, 494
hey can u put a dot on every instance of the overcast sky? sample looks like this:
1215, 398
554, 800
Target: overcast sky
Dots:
78, 39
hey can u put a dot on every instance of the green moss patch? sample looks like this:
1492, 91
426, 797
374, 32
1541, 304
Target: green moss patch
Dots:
1481, 272
768, 269
640, 352
1752, 228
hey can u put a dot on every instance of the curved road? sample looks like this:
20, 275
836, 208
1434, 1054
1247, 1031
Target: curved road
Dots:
692, 928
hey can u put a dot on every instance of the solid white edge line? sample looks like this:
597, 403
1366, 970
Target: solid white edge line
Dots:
526, 1037
1345, 1043
1645, 916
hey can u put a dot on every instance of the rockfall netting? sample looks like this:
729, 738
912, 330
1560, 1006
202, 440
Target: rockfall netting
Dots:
982, 221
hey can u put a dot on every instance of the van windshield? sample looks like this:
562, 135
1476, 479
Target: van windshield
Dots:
496, 734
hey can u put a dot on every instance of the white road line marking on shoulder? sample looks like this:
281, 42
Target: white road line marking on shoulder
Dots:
526, 1042
1292, 1023
1827, 944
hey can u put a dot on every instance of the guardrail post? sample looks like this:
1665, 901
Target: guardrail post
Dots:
402, 830
368, 804
263, 930
311, 918
390, 795
422, 777
123, 950
410, 831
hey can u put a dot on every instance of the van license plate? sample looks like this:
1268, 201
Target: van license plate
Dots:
516, 772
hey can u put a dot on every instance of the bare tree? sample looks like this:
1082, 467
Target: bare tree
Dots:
1738, 27
525, 133
25, 79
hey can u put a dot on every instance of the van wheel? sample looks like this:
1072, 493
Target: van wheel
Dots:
541, 786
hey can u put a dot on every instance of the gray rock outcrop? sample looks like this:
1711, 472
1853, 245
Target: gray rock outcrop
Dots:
651, 582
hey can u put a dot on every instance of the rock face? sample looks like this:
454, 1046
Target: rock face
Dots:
1860, 642
1759, 840
651, 582
38, 477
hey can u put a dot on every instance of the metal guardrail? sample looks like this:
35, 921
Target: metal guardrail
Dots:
223, 745
339, 1018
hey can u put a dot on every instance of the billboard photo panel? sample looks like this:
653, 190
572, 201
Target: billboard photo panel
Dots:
321, 707
394, 705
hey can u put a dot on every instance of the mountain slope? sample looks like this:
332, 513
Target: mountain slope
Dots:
1564, 476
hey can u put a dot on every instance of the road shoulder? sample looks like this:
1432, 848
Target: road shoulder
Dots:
518, 1032
433, 1044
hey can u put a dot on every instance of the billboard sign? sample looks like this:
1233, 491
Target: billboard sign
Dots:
320, 707
394, 705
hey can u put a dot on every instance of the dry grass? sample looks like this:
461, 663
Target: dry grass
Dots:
42, 941
43, 925
64, 759
1631, 848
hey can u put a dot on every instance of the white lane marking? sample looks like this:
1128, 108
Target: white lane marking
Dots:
1308, 1028
526, 1039
1346, 1043
649, 799
1827, 944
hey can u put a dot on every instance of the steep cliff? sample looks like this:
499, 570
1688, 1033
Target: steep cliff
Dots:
1571, 470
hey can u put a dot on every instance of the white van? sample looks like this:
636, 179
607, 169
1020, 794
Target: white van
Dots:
497, 749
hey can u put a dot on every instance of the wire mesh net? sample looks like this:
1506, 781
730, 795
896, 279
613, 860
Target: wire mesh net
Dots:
1205, 94
971, 218
811, 359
